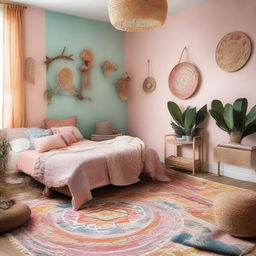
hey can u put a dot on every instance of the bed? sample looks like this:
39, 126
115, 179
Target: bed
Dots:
77, 169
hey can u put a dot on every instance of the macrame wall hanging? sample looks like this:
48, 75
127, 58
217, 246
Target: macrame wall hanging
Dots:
108, 67
184, 78
64, 79
30, 70
87, 58
122, 87
149, 84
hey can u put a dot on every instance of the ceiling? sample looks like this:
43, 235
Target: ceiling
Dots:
97, 9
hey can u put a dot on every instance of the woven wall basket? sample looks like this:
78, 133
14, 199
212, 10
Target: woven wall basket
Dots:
122, 89
65, 78
184, 80
137, 15
233, 51
149, 84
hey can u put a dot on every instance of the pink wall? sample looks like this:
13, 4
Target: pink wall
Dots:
200, 29
34, 22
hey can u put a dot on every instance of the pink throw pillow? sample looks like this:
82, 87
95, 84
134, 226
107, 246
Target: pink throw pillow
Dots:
68, 137
71, 121
74, 130
47, 143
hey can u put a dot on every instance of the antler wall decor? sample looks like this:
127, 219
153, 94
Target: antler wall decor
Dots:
61, 56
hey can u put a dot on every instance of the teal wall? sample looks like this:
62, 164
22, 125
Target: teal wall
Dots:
106, 43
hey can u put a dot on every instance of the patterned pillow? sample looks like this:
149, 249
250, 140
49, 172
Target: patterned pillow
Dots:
37, 133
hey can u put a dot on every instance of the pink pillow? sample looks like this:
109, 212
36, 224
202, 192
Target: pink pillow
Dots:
74, 130
68, 137
71, 121
47, 143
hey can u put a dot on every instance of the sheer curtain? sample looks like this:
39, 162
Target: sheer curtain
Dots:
1, 65
13, 88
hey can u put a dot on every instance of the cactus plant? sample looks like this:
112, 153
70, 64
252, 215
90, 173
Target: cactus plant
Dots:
234, 119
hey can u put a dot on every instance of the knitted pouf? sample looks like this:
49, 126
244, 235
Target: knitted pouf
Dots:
235, 213
16, 215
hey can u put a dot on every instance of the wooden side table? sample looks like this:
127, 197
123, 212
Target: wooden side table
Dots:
177, 161
234, 156
97, 137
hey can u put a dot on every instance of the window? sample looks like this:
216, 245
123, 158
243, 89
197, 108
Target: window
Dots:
1, 64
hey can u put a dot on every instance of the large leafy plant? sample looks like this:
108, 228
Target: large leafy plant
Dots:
186, 123
234, 118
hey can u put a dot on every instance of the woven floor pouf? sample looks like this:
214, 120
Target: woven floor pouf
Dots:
16, 215
235, 213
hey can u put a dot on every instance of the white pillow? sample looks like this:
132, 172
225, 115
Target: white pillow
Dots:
20, 145
77, 133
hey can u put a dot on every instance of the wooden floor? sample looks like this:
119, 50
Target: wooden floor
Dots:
222, 179
7, 249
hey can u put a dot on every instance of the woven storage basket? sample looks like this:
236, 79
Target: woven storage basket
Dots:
139, 15
104, 128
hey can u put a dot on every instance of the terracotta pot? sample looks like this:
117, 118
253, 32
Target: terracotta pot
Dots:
236, 137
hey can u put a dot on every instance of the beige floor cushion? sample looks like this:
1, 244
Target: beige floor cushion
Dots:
235, 213
13, 217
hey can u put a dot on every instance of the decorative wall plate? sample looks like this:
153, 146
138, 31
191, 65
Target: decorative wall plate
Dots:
149, 84
184, 80
233, 51
65, 78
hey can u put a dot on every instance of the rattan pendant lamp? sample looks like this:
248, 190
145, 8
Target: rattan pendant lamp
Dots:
137, 15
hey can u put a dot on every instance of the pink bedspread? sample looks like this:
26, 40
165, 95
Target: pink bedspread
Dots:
87, 165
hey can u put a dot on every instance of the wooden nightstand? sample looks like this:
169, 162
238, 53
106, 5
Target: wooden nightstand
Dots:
97, 137
177, 161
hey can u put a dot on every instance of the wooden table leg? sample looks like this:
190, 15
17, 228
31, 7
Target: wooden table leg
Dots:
218, 168
194, 158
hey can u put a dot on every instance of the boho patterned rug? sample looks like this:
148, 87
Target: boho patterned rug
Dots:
141, 219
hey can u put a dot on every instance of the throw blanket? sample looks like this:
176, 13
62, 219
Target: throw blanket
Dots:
79, 167
205, 236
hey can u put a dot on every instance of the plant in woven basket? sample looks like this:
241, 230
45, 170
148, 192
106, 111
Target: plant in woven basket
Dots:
4, 149
187, 122
234, 119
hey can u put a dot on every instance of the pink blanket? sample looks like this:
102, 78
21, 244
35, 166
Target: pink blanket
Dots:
120, 161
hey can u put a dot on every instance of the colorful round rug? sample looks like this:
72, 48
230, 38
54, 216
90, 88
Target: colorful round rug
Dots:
115, 227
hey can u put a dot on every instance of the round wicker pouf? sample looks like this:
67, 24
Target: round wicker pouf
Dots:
16, 215
235, 213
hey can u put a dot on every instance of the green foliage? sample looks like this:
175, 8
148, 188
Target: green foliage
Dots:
234, 118
4, 149
188, 121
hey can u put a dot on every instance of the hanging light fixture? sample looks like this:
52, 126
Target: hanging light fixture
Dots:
137, 15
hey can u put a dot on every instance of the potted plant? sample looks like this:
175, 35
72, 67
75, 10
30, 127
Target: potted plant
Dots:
187, 122
234, 119
4, 149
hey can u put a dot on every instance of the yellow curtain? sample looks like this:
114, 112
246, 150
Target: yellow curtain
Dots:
14, 115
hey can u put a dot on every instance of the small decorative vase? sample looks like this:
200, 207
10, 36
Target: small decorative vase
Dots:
188, 138
235, 137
